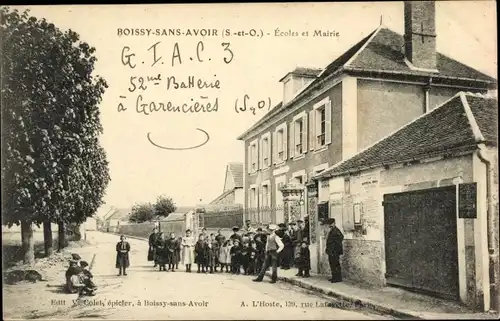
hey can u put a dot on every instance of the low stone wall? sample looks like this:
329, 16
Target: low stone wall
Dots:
362, 262
139, 230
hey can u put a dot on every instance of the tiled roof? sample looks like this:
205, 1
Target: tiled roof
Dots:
447, 128
381, 51
221, 196
121, 214
236, 170
175, 216
303, 71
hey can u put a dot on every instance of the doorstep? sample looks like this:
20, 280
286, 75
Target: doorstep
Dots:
388, 300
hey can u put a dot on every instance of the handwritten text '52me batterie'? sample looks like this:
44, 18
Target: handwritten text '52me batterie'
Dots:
154, 56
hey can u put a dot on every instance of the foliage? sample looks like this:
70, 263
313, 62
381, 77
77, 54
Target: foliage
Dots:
54, 167
164, 206
143, 212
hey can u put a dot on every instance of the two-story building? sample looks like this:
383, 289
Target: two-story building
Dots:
380, 84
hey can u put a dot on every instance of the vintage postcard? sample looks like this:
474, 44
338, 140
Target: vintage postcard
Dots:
250, 161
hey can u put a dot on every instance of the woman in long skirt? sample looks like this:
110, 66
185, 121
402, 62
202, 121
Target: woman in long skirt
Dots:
161, 252
188, 250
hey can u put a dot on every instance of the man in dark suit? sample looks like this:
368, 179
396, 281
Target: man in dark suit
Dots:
122, 259
334, 250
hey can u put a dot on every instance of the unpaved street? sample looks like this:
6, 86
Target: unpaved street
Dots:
146, 293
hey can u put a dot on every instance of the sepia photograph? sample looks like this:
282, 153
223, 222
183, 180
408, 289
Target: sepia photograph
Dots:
250, 161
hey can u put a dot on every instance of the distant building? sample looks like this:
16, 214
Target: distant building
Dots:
232, 193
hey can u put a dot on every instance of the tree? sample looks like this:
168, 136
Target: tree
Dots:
164, 206
144, 212
53, 168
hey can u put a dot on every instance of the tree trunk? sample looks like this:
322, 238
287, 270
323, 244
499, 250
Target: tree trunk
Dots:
61, 236
28, 244
47, 238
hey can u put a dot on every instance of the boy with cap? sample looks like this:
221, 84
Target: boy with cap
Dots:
274, 246
303, 261
89, 287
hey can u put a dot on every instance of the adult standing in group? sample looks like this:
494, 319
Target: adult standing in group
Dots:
274, 246
248, 227
286, 256
122, 257
188, 250
152, 246
298, 238
334, 250
220, 238
235, 235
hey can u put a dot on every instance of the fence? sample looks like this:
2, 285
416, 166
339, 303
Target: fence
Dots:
223, 218
265, 214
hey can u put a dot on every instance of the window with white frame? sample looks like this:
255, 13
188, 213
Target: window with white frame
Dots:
299, 135
322, 130
266, 195
266, 151
280, 143
253, 157
252, 197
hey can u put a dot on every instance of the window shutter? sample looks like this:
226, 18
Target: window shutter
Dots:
312, 131
304, 134
268, 195
261, 153
292, 139
257, 156
269, 158
259, 192
249, 154
285, 142
275, 147
328, 123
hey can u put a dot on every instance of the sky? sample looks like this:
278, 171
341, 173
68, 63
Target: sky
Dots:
466, 31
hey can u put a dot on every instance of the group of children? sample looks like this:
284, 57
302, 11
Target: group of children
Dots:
235, 255
79, 279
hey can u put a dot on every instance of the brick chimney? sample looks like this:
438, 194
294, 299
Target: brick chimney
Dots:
420, 34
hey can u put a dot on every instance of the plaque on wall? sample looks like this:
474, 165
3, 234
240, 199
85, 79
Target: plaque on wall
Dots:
348, 215
467, 200
323, 212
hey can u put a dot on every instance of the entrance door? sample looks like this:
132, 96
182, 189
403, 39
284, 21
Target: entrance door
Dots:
421, 241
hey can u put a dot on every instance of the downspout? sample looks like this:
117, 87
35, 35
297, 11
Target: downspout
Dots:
492, 248
427, 90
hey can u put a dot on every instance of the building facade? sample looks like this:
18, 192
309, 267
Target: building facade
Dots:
232, 193
419, 209
380, 84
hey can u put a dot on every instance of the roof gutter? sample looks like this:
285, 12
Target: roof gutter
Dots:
365, 168
435, 75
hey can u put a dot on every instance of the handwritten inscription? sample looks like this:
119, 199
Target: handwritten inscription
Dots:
208, 94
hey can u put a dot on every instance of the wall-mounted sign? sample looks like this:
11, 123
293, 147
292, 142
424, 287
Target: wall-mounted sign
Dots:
357, 213
467, 200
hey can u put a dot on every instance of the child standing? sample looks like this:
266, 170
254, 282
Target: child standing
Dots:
245, 257
210, 255
200, 254
260, 253
226, 249
304, 260
236, 257
252, 259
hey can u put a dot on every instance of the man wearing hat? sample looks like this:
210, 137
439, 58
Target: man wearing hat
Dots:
334, 250
235, 235
274, 246
248, 226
